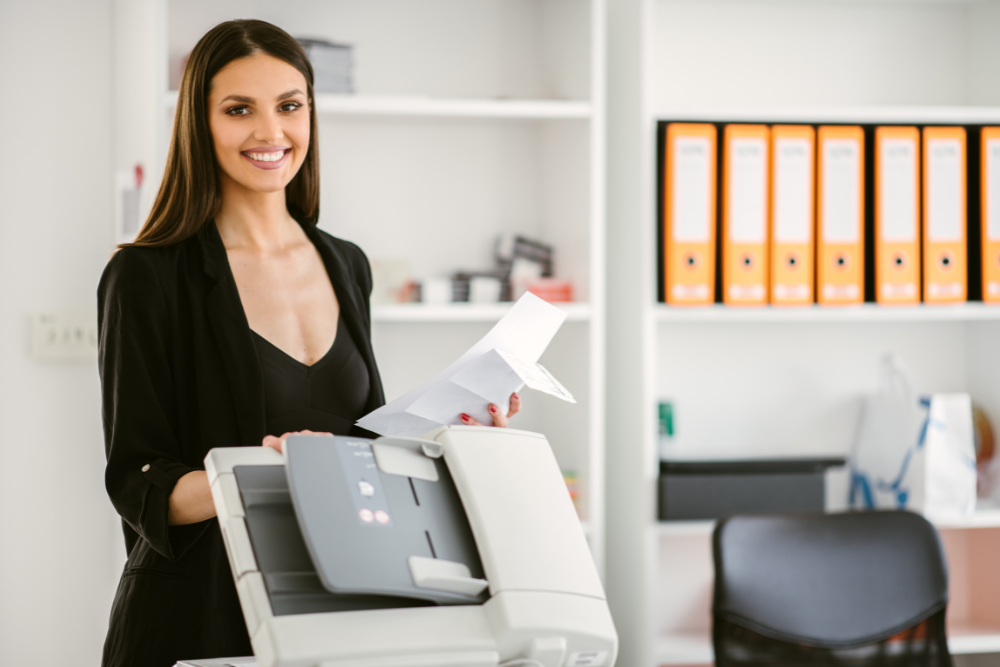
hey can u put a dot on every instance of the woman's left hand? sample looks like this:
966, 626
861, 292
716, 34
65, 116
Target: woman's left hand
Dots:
499, 419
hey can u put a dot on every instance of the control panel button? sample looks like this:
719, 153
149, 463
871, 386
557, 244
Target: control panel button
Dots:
366, 489
367, 516
381, 517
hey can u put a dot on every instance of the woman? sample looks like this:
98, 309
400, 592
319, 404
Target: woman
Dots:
230, 321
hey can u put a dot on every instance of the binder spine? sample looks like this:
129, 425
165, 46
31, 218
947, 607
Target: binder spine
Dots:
990, 213
944, 235
897, 215
840, 261
792, 215
689, 214
745, 213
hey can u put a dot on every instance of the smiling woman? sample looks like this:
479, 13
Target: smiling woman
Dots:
230, 321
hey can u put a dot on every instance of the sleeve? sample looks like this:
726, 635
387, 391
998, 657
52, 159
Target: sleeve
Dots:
139, 409
362, 268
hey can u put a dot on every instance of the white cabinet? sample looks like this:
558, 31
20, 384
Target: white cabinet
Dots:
470, 118
757, 382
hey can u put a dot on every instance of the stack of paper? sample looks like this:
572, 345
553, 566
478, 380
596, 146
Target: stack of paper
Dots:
504, 361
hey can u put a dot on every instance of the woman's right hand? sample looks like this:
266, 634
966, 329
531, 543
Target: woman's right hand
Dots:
278, 442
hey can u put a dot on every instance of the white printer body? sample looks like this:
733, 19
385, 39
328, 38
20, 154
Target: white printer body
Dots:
525, 594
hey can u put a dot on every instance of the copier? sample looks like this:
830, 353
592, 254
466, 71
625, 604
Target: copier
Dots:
458, 549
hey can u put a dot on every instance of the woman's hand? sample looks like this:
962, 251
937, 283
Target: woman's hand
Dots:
278, 443
499, 420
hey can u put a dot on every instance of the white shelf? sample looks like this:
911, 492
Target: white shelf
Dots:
685, 528
463, 312
695, 648
984, 518
836, 114
868, 312
685, 648
379, 105
973, 640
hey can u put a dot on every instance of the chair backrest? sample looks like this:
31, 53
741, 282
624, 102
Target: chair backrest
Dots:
838, 589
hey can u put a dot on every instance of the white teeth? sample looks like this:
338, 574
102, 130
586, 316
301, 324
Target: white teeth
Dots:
267, 157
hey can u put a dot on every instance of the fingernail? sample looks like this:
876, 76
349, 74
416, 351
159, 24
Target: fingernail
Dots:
493, 408
516, 396
465, 417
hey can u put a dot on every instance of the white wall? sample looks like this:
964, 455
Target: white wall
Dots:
775, 52
56, 542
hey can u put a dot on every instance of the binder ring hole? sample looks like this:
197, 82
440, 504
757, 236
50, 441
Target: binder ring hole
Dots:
691, 260
792, 261
747, 261
946, 260
841, 261
899, 260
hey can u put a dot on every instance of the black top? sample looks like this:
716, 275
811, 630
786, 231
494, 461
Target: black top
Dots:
179, 376
327, 397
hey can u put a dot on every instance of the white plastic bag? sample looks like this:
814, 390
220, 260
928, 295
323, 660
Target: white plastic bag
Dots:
913, 453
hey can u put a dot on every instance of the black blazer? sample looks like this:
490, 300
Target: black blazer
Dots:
180, 375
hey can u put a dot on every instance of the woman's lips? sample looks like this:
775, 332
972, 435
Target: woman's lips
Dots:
266, 158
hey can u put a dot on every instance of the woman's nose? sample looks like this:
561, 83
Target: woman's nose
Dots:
268, 128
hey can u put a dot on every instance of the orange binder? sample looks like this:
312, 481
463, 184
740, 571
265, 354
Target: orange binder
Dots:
689, 214
744, 215
945, 255
792, 204
990, 169
840, 258
897, 215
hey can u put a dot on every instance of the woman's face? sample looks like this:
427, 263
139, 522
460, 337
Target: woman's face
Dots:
258, 111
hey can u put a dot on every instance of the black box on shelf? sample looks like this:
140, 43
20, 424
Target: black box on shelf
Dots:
714, 489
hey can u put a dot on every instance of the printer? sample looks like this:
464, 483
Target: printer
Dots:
458, 549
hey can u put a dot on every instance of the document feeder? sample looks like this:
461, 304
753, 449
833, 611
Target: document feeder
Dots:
459, 549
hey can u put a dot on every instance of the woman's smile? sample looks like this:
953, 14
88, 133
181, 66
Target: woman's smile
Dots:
267, 157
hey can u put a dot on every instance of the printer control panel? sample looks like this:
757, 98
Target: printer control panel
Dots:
364, 482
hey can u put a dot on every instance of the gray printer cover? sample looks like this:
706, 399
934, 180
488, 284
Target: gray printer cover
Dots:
361, 525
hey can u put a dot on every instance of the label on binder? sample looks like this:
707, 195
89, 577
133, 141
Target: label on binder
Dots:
898, 196
840, 176
841, 292
748, 223
945, 200
692, 196
992, 190
793, 218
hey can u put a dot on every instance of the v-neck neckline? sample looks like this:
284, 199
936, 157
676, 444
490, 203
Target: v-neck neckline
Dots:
326, 355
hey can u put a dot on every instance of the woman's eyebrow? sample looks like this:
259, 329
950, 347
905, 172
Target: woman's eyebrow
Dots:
238, 98
243, 99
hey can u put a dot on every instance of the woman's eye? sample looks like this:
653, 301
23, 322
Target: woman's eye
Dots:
289, 106
238, 111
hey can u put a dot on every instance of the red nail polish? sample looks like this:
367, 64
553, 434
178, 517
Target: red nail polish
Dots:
516, 396
493, 408
465, 417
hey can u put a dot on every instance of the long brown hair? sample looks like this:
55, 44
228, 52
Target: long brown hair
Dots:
190, 193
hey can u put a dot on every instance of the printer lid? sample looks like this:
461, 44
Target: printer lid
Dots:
368, 531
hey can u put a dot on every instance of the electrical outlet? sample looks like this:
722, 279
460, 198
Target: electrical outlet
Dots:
64, 336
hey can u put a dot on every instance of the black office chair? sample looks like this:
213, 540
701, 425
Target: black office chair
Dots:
857, 589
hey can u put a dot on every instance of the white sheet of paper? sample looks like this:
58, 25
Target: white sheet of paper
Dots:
491, 378
525, 331
537, 377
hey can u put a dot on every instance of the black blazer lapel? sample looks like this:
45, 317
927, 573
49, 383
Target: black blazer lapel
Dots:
347, 285
232, 334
